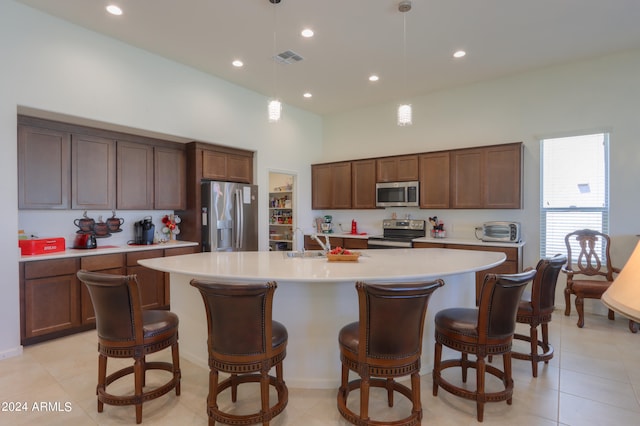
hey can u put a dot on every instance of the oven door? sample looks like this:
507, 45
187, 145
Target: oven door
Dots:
388, 243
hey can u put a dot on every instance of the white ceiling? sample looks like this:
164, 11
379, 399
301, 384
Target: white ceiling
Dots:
354, 38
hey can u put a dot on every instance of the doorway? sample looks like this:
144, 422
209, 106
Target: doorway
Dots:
282, 211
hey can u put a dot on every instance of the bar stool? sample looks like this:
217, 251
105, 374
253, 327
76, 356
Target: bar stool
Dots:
126, 331
536, 308
385, 344
245, 342
484, 331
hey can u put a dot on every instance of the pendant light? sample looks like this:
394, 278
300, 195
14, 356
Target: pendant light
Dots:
404, 110
275, 106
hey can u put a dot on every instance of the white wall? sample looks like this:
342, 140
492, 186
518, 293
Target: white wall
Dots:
50, 65
592, 95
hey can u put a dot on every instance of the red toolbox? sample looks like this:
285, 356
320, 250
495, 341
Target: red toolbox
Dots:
41, 245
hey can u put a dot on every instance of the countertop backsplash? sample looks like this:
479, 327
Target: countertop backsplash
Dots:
59, 223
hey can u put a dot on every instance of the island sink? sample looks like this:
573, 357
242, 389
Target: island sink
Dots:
306, 254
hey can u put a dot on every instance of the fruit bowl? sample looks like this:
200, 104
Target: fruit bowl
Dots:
341, 255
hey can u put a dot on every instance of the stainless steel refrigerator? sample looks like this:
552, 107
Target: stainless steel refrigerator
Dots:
229, 216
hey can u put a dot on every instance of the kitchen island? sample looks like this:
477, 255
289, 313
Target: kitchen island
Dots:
315, 298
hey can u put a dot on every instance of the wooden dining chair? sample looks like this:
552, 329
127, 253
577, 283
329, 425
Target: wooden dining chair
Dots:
589, 269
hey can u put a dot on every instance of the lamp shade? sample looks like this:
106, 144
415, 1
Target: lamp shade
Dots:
275, 107
404, 115
623, 296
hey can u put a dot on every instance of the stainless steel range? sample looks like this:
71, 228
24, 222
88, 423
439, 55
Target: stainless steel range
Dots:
398, 233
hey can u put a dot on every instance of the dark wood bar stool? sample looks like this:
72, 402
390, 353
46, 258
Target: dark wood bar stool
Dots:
384, 344
245, 342
483, 331
593, 273
536, 308
126, 331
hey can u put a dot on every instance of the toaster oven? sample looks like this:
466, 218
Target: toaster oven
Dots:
507, 232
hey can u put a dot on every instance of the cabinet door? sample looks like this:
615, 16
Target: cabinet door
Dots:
397, 169
43, 168
106, 264
134, 176
321, 186
93, 172
51, 305
239, 168
341, 185
214, 165
503, 174
434, 180
169, 179
150, 281
363, 184
355, 243
467, 177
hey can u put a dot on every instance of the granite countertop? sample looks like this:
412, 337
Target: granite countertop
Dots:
106, 249
465, 241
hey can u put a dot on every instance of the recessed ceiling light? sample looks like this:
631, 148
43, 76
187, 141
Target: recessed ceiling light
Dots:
374, 77
114, 10
237, 63
459, 54
307, 32
307, 95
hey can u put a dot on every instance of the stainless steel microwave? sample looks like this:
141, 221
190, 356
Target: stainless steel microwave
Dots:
397, 194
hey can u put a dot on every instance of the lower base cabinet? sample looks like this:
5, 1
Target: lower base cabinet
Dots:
512, 265
347, 243
54, 303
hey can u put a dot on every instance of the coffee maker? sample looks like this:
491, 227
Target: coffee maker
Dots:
144, 231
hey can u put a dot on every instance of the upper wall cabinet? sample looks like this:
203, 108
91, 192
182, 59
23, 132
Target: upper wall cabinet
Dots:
487, 177
67, 166
135, 176
331, 186
170, 187
397, 169
93, 172
363, 184
434, 180
43, 168
225, 166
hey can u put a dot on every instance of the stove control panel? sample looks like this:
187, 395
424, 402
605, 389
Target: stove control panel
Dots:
411, 224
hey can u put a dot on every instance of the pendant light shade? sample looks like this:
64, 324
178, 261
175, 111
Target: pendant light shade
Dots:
404, 115
404, 110
274, 109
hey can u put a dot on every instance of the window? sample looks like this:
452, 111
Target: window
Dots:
574, 188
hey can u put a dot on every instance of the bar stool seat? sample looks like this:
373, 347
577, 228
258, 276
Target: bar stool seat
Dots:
484, 331
384, 344
245, 342
126, 331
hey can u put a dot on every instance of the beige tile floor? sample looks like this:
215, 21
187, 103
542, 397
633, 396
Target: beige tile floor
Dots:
594, 379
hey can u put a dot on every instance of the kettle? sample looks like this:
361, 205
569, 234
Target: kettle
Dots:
85, 240
144, 231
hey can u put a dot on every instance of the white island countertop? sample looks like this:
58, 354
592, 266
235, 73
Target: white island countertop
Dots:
373, 265
315, 297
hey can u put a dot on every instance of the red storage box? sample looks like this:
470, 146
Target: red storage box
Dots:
41, 245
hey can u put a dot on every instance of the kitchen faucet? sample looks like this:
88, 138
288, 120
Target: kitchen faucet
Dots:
326, 246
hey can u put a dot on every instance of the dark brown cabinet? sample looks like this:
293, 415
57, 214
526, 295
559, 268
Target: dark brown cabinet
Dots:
512, 264
170, 186
93, 172
434, 180
134, 176
50, 298
397, 169
150, 282
347, 243
487, 177
106, 264
43, 168
363, 184
225, 166
331, 186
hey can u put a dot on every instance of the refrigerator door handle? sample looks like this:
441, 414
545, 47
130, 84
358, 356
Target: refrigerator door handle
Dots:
239, 222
